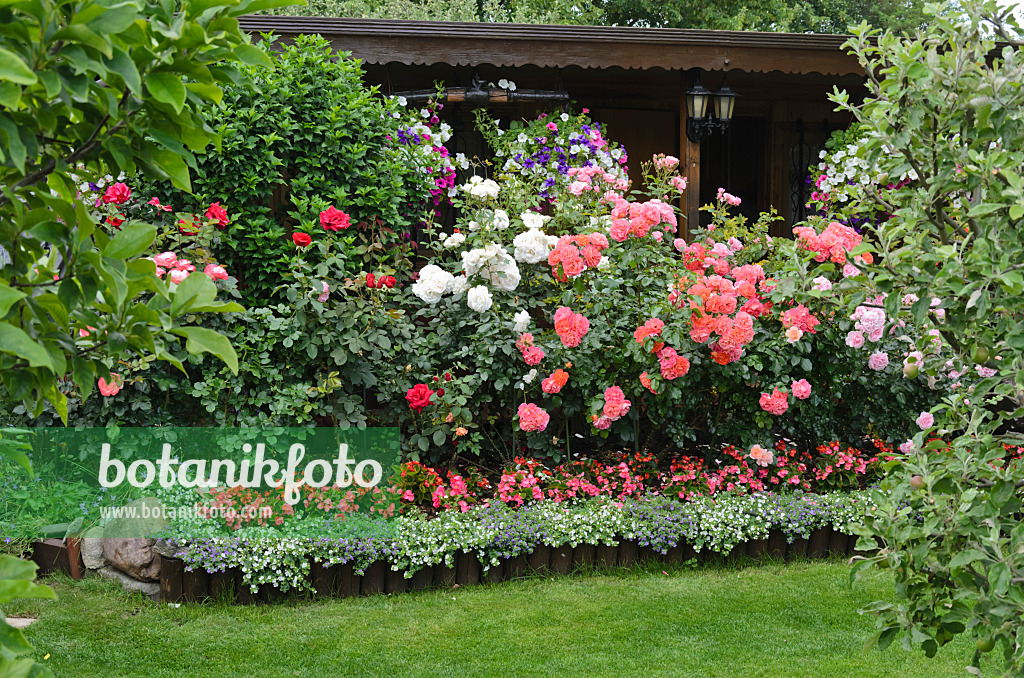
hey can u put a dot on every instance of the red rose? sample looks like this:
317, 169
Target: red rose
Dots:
116, 221
117, 193
301, 239
370, 280
419, 396
388, 281
333, 220
440, 392
447, 376
217, 214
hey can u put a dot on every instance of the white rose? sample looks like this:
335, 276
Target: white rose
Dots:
533, 220
522, 321
432, 283
479, 298
500, 219
532, 247
530, 376
458, 286
454, 240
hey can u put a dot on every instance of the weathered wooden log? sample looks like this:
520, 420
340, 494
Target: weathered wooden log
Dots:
171, 572
561, 559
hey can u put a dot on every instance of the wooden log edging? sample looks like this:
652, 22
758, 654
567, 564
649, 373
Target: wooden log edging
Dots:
341, 581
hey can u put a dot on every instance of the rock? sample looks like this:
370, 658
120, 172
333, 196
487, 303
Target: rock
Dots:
166, 549
127, 543
149, 589
92, 549
133, 556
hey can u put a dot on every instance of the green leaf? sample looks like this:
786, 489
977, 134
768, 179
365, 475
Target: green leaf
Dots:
195, 290
13, 69
172, 166
114, 19
439, 437
203, 340
253, 56
15, 341
14, 149
123, 65
167, 88
130, 240
13, 640
966, 557
8, 297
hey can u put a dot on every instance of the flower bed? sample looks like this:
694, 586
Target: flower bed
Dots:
510, 540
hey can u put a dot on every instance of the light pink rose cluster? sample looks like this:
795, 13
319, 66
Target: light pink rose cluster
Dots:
532, 418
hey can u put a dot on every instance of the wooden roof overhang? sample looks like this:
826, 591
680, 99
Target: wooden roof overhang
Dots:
384, 41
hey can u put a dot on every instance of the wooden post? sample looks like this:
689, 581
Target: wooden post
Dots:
689, 167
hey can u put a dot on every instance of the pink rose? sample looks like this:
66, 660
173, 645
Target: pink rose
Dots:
855, 339
907, 446
178, 276
532, 418
926, 420
334, 219
167, 259
801, 389
111, 388
215, 272
878, 361
117, 194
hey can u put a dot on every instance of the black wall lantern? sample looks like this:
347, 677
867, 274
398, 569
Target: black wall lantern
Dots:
707, 111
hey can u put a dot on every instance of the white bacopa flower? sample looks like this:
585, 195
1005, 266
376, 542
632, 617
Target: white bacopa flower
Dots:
533, 220
432, 283
454, 240
522, 321
479, 298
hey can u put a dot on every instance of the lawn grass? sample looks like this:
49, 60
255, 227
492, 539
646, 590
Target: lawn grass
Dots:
797, 619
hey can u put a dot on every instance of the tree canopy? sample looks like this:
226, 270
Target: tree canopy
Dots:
794, 16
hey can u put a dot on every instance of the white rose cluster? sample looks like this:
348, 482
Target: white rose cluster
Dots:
494, 264
479, 298
433, 282
532, 247
481, 189
534, 220
454, 240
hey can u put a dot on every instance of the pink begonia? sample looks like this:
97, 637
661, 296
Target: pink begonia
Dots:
926, 420
532, 418
801, 389
822, 283
762, 456
855, 339
878, 361
907, 446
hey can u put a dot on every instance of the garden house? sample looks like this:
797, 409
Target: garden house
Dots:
635, 81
